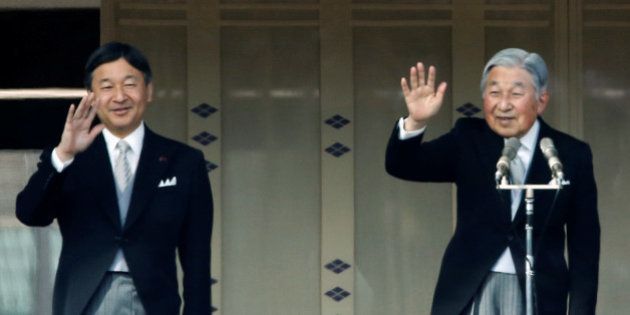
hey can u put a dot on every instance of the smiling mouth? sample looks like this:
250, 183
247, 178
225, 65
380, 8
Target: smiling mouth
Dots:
505, 120
120, 111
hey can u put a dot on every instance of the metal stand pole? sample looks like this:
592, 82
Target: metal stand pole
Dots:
529, 239
529, 252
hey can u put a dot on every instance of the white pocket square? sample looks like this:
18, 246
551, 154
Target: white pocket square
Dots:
168, 182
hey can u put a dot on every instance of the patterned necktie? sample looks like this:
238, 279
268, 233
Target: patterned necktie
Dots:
517, 174
517, 170
122, 170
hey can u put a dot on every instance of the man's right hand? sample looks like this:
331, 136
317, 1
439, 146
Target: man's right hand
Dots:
77, 135
421, 97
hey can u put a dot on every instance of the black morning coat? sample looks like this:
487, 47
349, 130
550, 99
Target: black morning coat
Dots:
467, 156
160, 220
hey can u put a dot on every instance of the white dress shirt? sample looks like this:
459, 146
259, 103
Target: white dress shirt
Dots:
134, 139
505, 263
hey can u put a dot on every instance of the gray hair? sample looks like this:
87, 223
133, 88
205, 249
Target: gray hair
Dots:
516, 57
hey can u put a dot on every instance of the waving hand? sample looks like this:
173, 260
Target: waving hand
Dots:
422, 99
78, 132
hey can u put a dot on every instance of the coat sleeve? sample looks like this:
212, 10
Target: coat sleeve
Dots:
194, 244
37, 204
417, 160
583, 240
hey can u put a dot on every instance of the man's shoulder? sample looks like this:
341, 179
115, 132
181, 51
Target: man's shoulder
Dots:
562, 139
174, 146
470, 123
470, 127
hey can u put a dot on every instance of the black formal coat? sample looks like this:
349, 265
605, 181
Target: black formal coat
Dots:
467, 156
160, 220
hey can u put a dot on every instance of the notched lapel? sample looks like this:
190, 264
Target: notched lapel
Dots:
95, 162
154, 161
489, 146
538, 173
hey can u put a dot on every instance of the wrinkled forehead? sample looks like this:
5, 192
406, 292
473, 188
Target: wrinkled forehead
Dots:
509, 77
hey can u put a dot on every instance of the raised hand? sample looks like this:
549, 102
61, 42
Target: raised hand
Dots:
77, 135
422, 99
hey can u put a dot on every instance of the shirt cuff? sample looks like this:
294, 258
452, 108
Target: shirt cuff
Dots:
404, 134
57, 163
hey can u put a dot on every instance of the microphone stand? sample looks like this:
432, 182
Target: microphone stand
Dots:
555, 184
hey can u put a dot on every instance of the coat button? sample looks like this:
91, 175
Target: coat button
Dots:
510, 237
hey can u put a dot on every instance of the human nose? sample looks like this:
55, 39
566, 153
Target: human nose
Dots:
119, 94
504, 103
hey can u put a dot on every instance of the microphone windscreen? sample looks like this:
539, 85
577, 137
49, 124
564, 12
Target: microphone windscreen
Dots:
547, 147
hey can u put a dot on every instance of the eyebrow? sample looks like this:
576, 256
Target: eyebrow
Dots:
127, 77
514, 84
519, 84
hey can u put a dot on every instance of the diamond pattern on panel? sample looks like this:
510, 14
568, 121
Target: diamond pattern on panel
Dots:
337, 149
337, 121
204, 110
337, 294
204, 138
468, 109
213, 281
337, 266
210, 166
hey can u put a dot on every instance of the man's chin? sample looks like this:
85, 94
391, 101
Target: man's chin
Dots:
117, 126
121, 129
504, 132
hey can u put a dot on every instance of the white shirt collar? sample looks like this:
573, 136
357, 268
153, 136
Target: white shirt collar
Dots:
134, 139
528, 144
529, 139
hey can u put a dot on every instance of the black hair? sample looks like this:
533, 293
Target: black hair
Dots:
113, 51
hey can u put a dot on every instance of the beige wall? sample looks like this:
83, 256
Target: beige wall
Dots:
276, 72
286, 68
285, 221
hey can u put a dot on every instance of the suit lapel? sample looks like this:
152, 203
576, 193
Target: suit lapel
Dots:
95, 161
538, 173
489, 146
152, 166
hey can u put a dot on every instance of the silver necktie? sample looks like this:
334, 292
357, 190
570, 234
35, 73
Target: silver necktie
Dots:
517, 174
122, 170
517, 170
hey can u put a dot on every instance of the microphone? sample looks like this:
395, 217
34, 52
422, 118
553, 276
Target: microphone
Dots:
550, 152
507, 155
